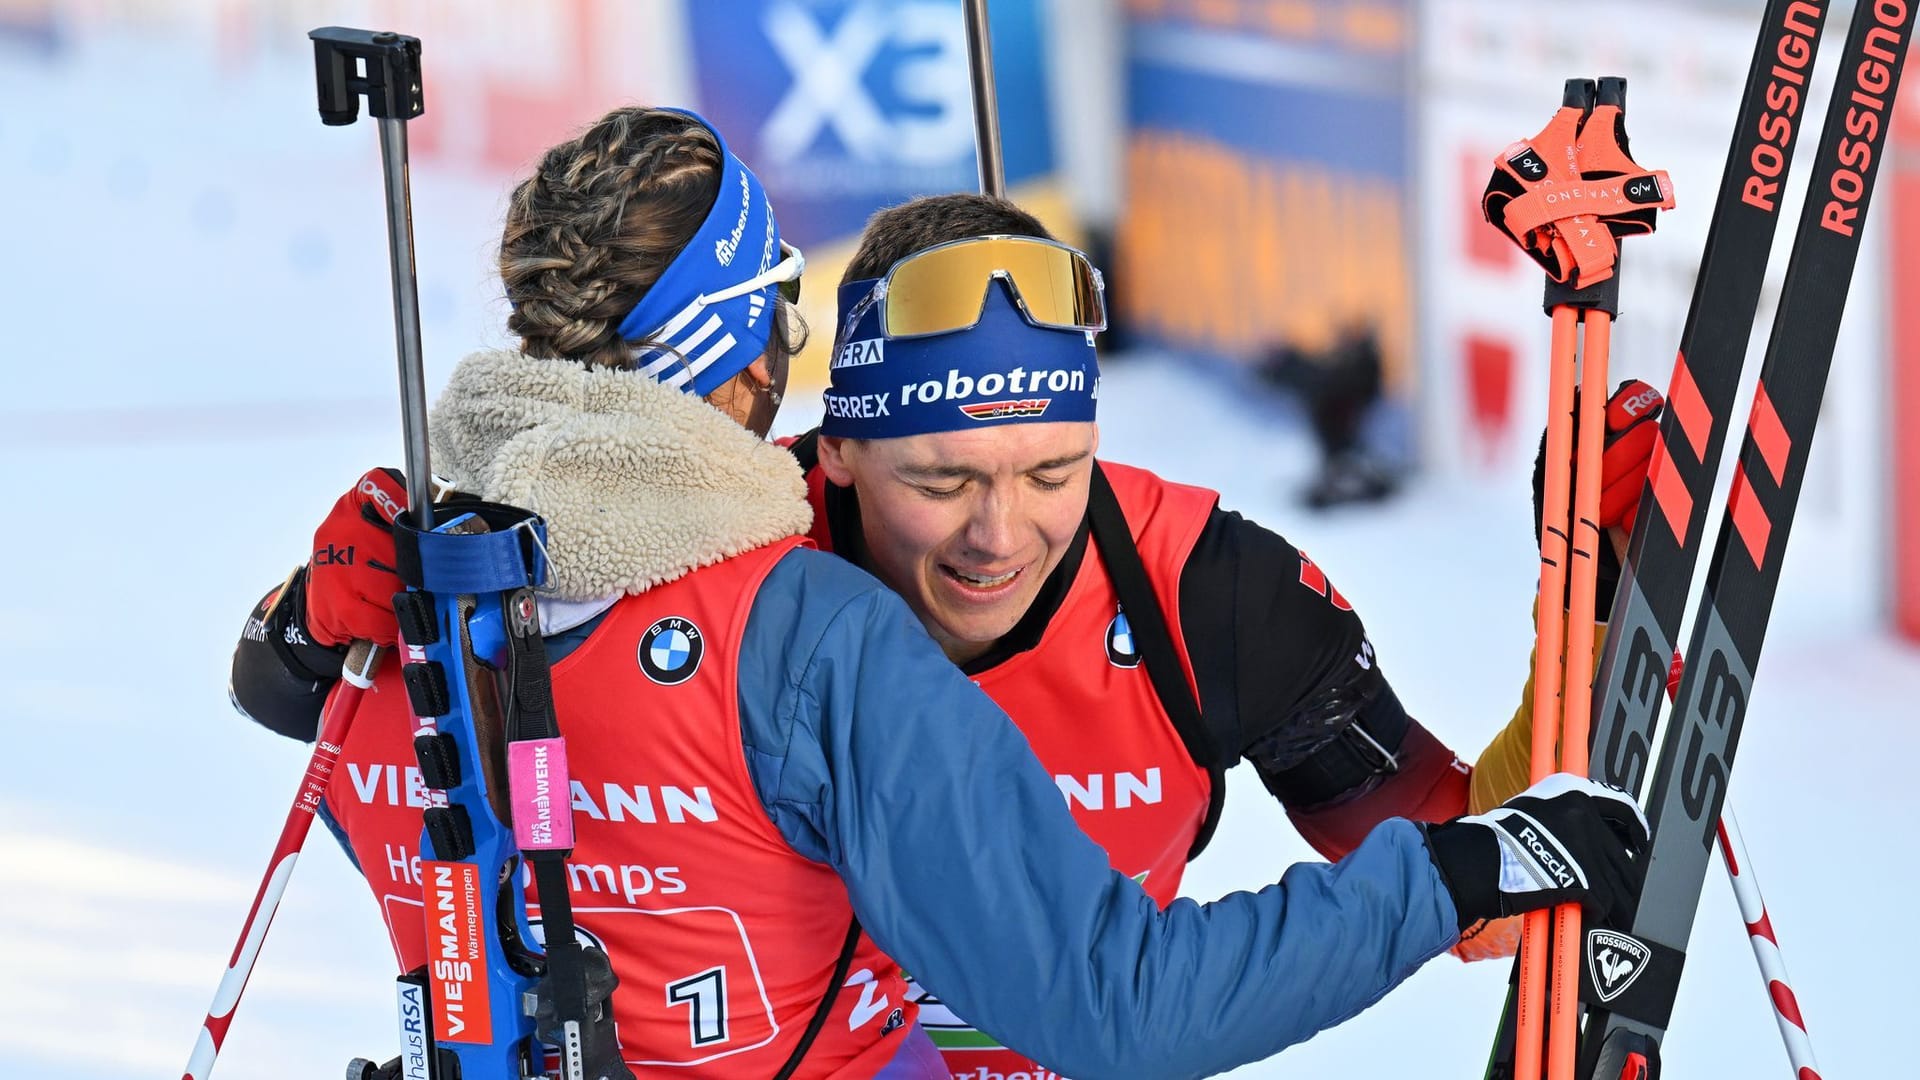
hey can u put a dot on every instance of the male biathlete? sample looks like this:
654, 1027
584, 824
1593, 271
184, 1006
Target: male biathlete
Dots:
1144, 639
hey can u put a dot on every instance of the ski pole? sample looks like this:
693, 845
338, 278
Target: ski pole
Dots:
1596, 316
1548, 667
1578, 160
1766, 947
1550, 155
1766, 950
1564, 1015
356, 675
986, 101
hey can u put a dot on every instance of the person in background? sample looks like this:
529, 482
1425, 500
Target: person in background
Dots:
1338, 387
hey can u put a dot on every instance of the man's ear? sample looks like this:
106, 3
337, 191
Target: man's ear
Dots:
834, 451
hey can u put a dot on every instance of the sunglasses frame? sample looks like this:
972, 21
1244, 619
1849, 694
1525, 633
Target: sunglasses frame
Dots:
882, 287
784, 273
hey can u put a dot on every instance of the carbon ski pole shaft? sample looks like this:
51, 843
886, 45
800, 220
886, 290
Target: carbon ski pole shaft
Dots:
1696, 761
1658, 571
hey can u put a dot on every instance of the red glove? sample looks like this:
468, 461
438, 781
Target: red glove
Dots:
351, 578
1633, 419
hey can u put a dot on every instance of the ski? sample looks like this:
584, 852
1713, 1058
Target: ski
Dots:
1689, 786
1658, 570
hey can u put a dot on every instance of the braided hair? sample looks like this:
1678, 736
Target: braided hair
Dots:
596, 225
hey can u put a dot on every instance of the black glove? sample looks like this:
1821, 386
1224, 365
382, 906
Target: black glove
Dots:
1633, 419
1565, 839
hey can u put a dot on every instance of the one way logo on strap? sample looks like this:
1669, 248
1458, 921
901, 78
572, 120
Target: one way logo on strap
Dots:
1615, 961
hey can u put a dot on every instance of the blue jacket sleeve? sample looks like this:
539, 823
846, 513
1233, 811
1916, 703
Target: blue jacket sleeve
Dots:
875, 755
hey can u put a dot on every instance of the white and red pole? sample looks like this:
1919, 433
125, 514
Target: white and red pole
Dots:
1766, 950
356, 676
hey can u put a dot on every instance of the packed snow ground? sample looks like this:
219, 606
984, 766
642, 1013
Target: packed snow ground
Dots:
199, 358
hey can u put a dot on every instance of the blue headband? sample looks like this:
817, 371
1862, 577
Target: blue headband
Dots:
698, 344
1003, 370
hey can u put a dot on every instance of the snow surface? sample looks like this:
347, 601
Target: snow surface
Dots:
199, 357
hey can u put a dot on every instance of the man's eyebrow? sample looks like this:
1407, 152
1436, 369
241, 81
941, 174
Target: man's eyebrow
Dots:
936, 470
1061, 462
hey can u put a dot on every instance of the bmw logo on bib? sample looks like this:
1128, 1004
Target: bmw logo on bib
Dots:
1121, 651
670, 651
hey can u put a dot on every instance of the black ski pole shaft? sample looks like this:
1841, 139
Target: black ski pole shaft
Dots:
986, 100
384, 67
1689, 786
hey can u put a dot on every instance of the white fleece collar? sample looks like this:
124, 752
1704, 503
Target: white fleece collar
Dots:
639, 484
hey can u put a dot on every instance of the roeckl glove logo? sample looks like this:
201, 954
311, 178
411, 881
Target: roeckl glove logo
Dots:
379, 497
334, 556
1548, 858
1641, 402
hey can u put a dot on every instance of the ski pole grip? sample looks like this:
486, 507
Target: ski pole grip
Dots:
380, 64
1611, 90
363, 657
1601, 296
1578, 94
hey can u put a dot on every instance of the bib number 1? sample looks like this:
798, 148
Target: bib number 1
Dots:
705, 996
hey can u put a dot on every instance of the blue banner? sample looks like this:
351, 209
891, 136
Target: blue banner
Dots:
844, 106
1267, 170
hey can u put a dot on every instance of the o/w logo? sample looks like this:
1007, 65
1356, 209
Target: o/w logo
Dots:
1121, 650
670, 651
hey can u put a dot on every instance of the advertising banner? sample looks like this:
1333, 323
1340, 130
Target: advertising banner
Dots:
842, 107
1267, 164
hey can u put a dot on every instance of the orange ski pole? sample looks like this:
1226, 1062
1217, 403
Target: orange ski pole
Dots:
1566, 197
1548, 669
1563, 1017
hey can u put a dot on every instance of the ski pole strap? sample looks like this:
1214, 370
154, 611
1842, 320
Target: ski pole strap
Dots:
1625, 200
508, 555
1566, 195
575, 1007
1579, 247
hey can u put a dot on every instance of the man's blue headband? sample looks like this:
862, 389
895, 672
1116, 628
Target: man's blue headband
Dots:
695, 328
1002, 370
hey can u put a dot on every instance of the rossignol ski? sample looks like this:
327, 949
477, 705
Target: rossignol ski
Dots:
1626, 976
1689, 785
